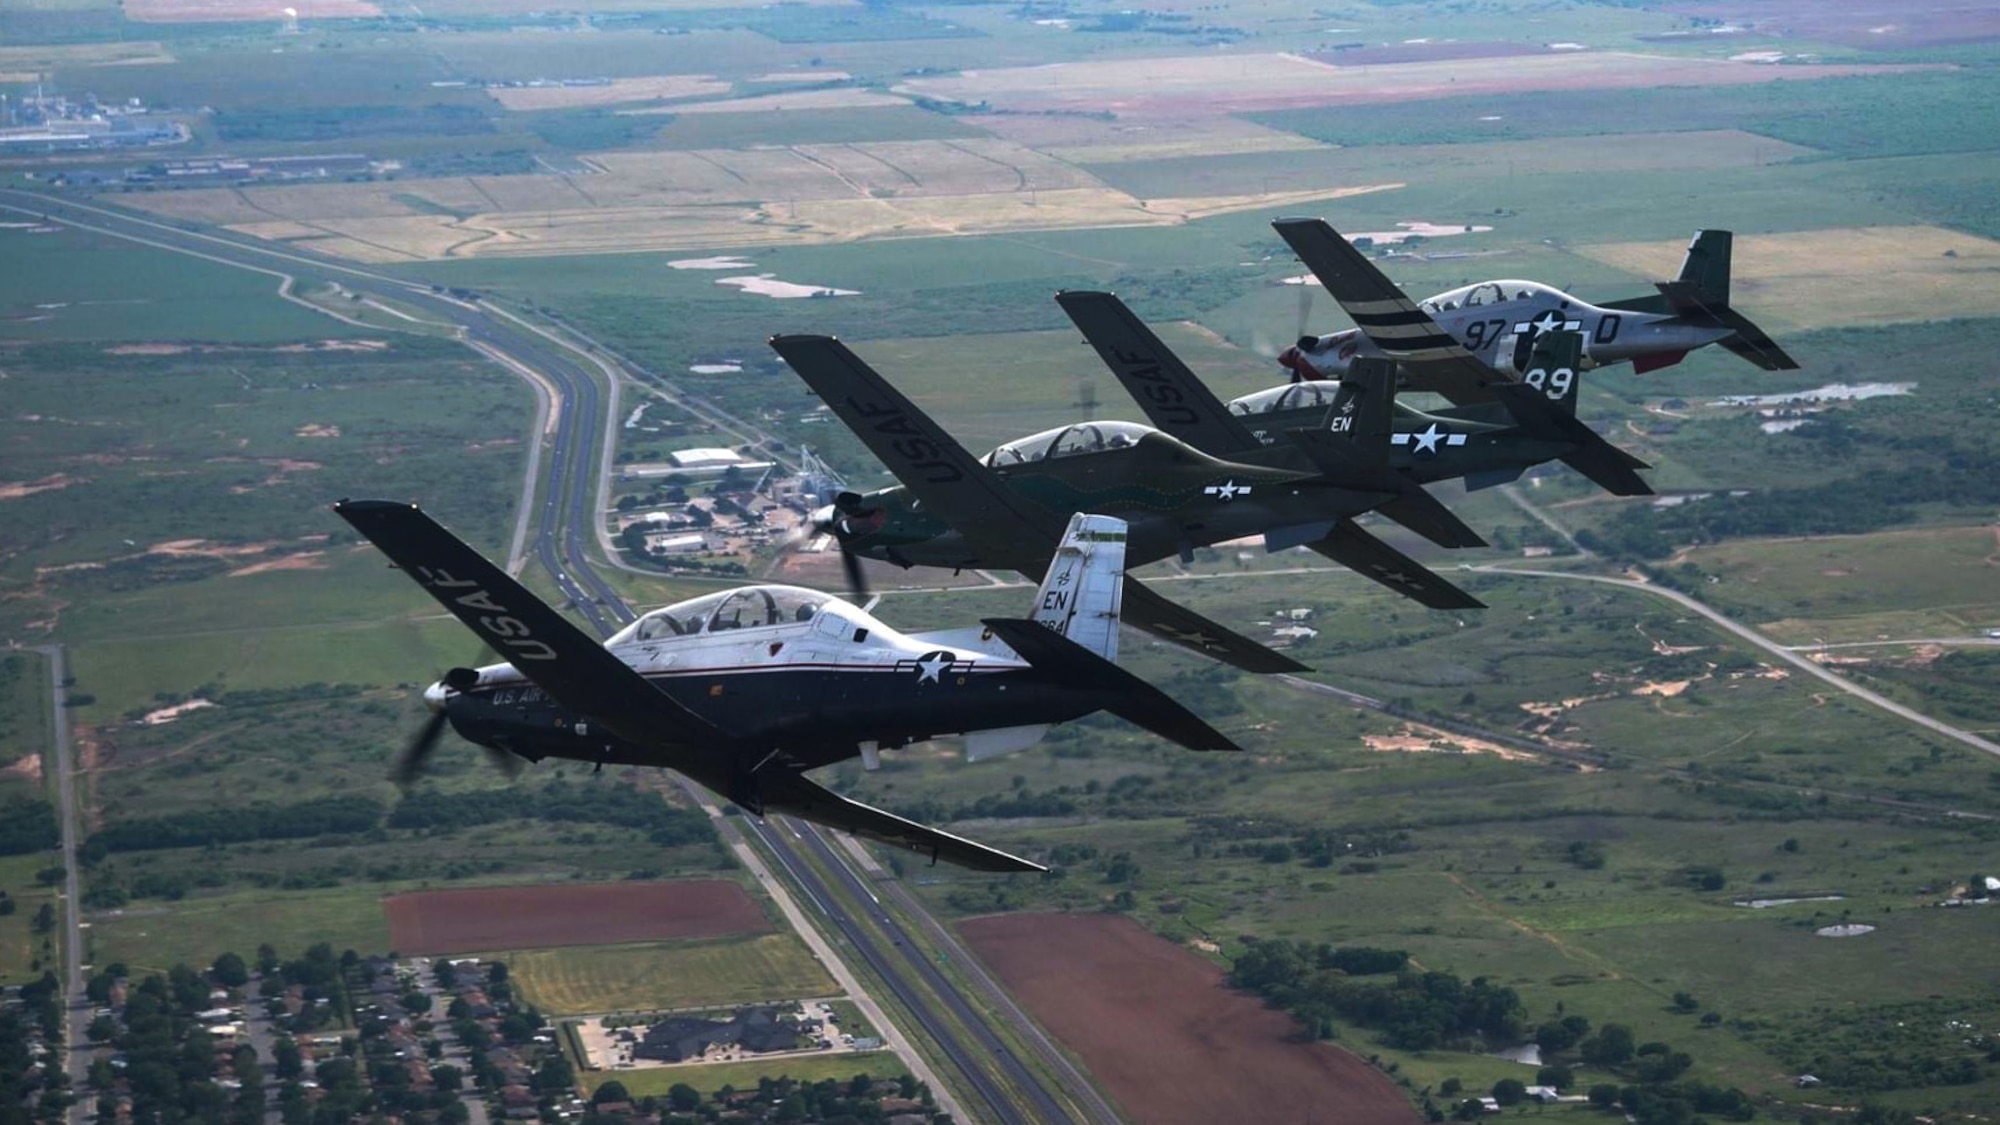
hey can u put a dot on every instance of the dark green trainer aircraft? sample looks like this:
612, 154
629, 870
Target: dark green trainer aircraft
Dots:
1007, 511
1357, 420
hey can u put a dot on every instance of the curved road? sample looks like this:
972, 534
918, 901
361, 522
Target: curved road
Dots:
1782, 652
562, 521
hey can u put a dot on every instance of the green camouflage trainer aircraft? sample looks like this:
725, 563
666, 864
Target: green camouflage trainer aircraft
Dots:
1357, 420
1007, 511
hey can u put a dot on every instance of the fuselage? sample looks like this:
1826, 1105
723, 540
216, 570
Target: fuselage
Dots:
1497, 321
774, 668
1172, 497
1423, 445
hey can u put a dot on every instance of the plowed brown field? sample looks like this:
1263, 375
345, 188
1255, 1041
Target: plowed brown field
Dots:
1170, 1042
494, 918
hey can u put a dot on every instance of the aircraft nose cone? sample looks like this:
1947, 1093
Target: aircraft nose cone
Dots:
434, 696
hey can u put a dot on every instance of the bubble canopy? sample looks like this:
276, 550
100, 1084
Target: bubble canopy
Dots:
748, 607
1067, 441
1487, 293
1296, 396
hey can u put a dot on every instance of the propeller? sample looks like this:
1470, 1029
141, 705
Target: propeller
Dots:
410, 763
840, 521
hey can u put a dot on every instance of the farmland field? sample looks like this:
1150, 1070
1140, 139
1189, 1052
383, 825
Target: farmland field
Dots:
682, 974
1082, 975
494, 918
1576, 789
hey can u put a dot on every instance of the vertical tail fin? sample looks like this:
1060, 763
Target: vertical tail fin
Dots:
1552, 368
1706, 266
1364, 408
1080, 596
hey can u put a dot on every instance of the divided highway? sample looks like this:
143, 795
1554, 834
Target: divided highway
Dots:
563, 522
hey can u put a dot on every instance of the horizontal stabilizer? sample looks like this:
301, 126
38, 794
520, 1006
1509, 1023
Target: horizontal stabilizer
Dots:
1606, 464
793, 794
1371, 558
1126, 695
1169, 620
1752, 344
1346, 464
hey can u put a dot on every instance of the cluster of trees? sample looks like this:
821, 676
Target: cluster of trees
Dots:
1413, 1011
18, 1078
27, 826
170, 1062
321, 816
557, 802
1843, 507
775, 1100
1017, 803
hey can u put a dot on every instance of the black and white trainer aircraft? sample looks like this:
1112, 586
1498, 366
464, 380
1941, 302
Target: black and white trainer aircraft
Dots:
747, 689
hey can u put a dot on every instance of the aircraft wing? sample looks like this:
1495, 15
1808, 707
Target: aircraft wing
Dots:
996, 521
1371, 558
1431, 359
1170, 394
575, 669
792, 793
1146, 610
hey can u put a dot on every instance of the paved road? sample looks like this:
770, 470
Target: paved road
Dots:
567, 515
1782, 652
76, 1005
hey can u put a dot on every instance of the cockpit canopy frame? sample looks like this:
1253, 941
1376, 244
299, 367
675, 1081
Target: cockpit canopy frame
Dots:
1075, 440
746, 607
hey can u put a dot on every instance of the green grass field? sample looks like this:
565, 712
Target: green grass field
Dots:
597, 979
155, 936
74, 285
24, 953
657, 1080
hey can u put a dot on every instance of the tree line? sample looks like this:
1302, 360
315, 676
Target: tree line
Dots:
1413, 1010
559, 802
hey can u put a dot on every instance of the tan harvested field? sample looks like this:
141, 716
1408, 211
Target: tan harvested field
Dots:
660, 87
220, 11
714, 199
1193, 85
482, 919
1171, 1043
1089, 140
844, 97
1844, 276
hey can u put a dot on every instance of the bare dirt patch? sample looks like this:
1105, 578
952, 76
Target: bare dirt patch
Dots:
539, 917
304, 560
317, 430
1843, 276
28, 767
50, 483
1427, 740
1172, 1044
229, 11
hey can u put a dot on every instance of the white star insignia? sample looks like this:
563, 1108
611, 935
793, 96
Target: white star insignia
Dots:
1394, 576
1226, 491
929, 667
1427, 441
